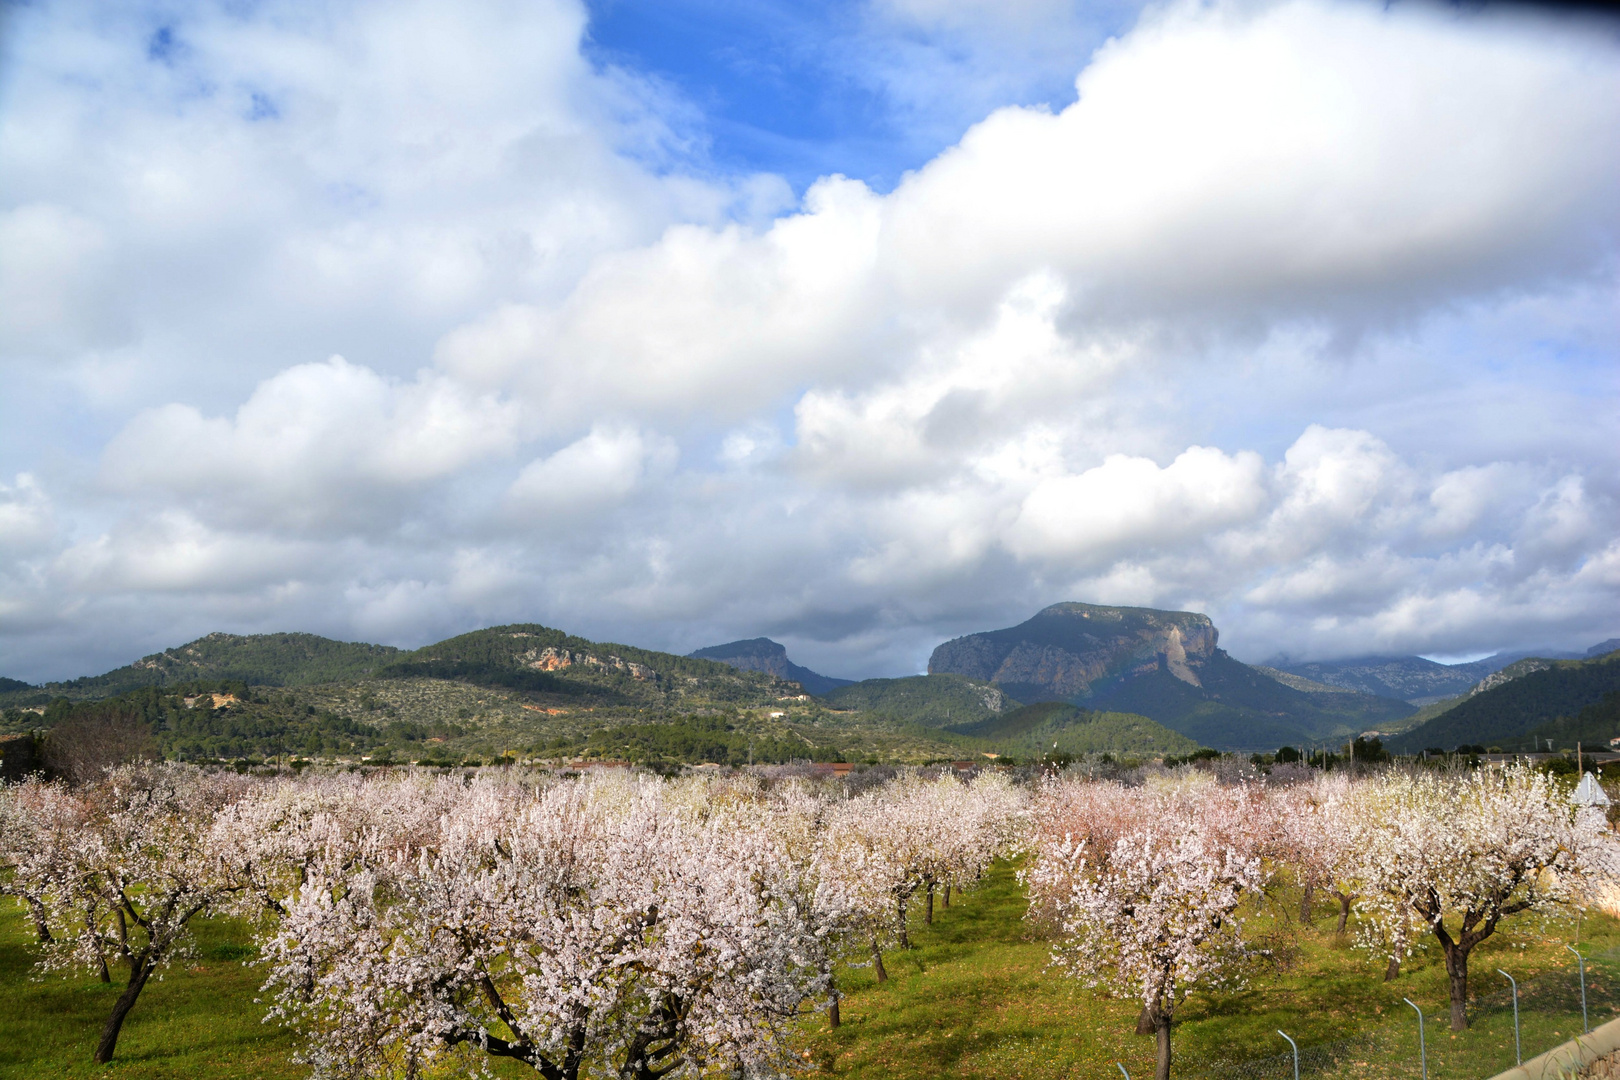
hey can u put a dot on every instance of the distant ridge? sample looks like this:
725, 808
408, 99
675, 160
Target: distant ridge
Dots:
1408, 678
763, 654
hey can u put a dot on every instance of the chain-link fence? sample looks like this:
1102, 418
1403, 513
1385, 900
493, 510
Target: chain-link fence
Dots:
1549, 1013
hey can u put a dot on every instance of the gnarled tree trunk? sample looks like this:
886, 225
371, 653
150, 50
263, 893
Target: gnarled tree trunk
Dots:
877, 963
140, 969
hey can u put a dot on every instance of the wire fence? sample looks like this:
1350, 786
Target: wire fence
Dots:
1550, 1012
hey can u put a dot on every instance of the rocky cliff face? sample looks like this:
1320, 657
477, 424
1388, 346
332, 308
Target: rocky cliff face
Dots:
1067, 649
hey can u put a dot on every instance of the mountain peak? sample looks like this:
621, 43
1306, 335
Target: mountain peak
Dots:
1161, 664
1065, 648
760, 647
763, 654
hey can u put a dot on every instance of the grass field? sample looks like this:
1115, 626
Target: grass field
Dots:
974, 998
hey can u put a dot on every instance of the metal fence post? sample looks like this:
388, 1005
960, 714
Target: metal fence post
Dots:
1295, 1045
1423, 1047
1582, 961
1518, 1057
1122, 1069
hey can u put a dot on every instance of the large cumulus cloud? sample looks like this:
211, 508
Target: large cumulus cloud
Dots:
1299, 314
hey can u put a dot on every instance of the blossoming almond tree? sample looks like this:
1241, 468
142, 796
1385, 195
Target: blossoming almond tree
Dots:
1460, 854
1148, 906
584, 926
122, 866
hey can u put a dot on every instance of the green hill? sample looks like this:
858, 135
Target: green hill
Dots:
933, 701
536, 659
256, 659
1511, 714
1055, 726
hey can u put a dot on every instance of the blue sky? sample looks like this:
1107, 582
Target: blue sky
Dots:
858, 325
806, 90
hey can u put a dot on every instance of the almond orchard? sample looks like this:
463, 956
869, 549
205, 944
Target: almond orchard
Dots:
421, 923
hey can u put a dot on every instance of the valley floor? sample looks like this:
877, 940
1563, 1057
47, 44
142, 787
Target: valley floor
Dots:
974, 998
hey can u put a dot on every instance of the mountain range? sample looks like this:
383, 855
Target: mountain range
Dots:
1073, 678
1413, 679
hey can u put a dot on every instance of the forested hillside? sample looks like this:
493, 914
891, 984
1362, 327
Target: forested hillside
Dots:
257, 659
1509, 715
935, 701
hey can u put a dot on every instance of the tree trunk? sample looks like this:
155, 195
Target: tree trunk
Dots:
1163, 1030
1144, 1022
905, 938
928, 911
1344, 912
1457, 978
832, 1011
947, 894
139, 972
877, 963
1306, 897
41, 927
1393, 970
101, 955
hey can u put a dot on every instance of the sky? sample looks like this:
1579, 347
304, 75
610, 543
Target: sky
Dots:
859, 325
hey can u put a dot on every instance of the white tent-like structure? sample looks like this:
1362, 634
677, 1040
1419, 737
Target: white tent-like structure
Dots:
1588, 793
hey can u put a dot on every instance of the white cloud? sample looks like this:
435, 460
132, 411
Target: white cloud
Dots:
319, 447
173, 552
27, 520
599, 470
1131, 503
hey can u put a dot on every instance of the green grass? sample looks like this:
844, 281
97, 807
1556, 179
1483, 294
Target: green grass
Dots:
974, 998
200, 1021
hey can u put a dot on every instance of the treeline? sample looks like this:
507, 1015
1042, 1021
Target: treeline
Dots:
693, 740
